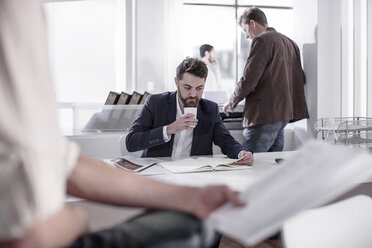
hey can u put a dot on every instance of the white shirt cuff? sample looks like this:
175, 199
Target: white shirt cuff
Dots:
165, 136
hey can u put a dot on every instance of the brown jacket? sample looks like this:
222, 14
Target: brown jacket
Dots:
273, 81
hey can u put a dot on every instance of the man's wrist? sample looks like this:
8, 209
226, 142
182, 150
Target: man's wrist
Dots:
241, 153
166, 137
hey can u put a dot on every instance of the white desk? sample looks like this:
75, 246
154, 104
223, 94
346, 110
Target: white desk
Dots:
102, 216
236, 179
112, 144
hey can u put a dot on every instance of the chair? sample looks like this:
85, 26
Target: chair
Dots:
344, 224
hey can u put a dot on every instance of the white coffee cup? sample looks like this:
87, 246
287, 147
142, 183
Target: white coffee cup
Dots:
192, 110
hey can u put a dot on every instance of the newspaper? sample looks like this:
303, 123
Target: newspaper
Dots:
317, 174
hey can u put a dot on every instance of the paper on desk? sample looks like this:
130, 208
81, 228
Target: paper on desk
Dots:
315, 175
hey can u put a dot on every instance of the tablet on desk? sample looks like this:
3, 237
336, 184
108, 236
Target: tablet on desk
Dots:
134, 164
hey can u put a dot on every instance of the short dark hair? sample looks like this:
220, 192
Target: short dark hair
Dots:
205, 48
254, 14
193, 66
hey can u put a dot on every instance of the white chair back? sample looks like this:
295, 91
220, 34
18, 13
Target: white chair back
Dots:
345, 224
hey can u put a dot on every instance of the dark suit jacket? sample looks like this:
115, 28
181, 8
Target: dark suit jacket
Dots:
160, 110
273, 81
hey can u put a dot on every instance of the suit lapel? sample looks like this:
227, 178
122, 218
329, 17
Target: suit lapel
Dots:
195, 136
172, 111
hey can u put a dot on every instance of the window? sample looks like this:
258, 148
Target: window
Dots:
215, 23
355, 41
212, 25
85, 46
97, 46
87, 51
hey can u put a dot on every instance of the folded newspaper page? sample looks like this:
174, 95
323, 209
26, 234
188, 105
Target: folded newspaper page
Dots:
317, 174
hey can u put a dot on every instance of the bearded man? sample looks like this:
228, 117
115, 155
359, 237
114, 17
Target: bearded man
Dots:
163, 130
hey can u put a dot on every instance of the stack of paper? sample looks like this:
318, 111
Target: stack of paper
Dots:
315, 175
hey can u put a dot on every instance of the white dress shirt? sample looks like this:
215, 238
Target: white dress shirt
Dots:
182, 140
35, 160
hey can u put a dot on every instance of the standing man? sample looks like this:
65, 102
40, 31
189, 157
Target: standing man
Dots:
163, 130
272, 85
208, 56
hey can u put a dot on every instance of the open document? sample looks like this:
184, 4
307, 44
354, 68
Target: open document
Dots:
315, 175
202, 164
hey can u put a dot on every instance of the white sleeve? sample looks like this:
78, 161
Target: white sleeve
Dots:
35, 160
70, 152
24, 188
165, 136
17, 201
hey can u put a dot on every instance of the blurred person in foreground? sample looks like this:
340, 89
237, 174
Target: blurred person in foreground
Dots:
38, 166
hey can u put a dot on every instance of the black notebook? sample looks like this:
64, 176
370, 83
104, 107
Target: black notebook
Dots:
135, 99
144, 97
112, 98
123, 98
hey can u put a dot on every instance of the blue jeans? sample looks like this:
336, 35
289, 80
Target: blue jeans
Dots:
155, 229
265, 137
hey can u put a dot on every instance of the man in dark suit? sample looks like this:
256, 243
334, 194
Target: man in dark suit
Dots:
162, 129
272, 85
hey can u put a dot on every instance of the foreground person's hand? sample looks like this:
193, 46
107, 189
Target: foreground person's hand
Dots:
209, 198
246, 158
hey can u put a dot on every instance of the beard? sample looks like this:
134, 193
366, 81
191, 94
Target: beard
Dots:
189, 101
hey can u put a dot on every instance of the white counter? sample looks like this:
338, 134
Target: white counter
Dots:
112, 144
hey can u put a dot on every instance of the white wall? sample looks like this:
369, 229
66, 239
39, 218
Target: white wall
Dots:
369, 54
305, 35
336, 58
151, 50
317, 32
329, 36
329, 58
